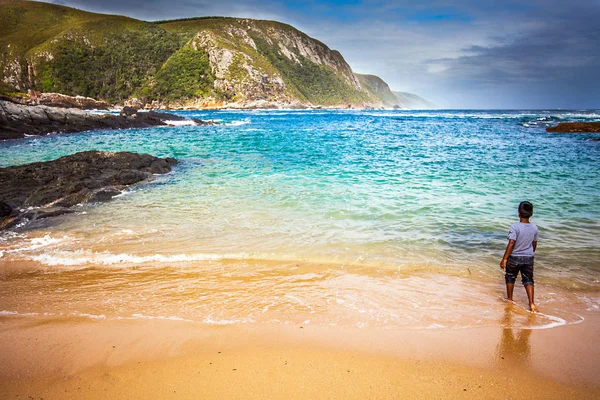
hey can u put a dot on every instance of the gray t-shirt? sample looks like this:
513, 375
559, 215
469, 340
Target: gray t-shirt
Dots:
523, 235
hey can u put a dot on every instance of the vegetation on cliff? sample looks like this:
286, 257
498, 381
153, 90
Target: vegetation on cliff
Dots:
194, 61
186, 74
315, 83
53, 48
378, 88
255, 59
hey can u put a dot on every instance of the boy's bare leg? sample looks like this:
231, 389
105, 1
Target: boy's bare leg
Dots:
510, 287
529, 290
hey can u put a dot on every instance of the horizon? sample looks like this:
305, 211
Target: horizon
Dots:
462, 54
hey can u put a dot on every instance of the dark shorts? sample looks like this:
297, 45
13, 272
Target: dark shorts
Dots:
518, 264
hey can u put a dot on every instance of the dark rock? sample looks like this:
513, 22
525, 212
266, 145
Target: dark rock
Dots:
9, 222
163, 116
160, 167
128, 111
205, 122
105, 194
80, 197
54, 186
32, 215
45, 195
41, 213
98, 182
573, 127
17, 120
131, 176
5, 209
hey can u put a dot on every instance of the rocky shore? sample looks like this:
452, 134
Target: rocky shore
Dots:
574, 127
61, 100
18, 120
47, 189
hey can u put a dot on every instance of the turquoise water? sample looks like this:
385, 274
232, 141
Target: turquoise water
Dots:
432, 192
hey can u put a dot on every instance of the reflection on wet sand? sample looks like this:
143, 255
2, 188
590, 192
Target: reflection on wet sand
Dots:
514, 344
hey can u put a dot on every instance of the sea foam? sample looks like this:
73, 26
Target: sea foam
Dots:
82, 257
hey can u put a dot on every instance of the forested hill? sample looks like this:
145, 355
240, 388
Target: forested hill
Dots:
200, 62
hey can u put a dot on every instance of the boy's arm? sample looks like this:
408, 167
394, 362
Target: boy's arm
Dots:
534, 244
509, 249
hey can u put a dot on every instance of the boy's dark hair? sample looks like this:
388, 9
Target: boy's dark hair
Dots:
525, 209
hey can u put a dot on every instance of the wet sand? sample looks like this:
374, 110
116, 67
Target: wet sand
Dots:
63, 358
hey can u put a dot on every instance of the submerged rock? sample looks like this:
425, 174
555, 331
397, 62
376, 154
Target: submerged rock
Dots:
573, 127
206, 122
47, 189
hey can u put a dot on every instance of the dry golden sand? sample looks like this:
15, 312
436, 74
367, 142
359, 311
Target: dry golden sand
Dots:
83, 359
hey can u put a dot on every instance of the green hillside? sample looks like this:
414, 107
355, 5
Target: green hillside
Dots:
191, 62
271, 60
53, 48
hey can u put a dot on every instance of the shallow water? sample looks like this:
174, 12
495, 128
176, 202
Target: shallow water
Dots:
335, 217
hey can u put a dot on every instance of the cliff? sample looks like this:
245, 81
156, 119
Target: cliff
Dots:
412, 101
378, 89
197, 62
267, 60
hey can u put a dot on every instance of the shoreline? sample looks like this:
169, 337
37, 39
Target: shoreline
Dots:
326, 286
256, 292
78, 358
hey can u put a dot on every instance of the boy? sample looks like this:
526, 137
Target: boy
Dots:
518, 257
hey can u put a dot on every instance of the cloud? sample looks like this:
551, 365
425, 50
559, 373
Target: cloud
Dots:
554, 62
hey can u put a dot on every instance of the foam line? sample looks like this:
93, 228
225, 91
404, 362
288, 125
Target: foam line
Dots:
80, 258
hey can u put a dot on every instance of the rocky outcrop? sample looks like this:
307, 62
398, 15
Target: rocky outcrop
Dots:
235, 71
61, 100
17, 120
574, 127
47, 189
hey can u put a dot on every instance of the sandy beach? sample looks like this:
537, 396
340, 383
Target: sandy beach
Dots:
64, 358
327, 255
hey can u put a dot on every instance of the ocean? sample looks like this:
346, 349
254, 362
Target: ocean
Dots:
387, 219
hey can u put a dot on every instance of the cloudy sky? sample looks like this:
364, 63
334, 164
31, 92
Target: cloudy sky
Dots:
458, 54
